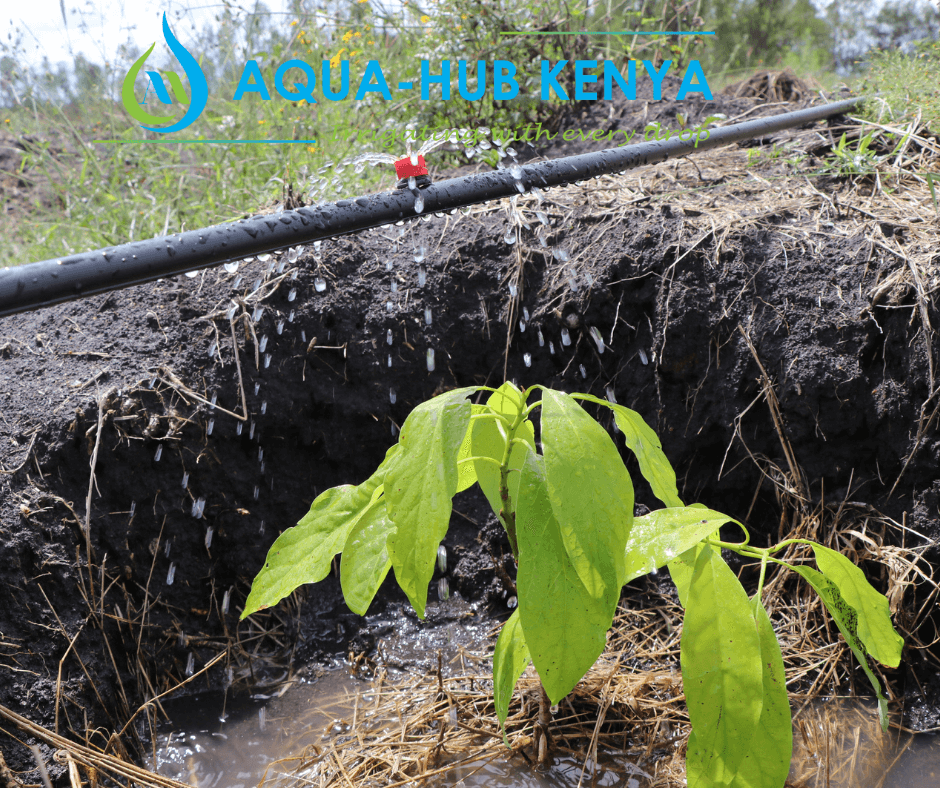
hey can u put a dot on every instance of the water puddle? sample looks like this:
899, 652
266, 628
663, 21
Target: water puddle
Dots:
284, 740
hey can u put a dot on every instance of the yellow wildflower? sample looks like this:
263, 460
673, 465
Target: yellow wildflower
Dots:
425, 19
347, 36
294, 23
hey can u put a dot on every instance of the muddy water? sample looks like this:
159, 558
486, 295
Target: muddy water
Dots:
215, 743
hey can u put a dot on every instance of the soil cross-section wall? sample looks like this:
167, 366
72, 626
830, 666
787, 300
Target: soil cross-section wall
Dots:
775, 331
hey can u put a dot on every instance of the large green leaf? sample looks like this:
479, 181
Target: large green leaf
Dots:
489, 440
681, 569
565, 626
419, 486
466, 472
590, 492
643, 441
721, 672
847, 621
767, 760
659, 537
874, 615
303, 554
510, 659
365, 561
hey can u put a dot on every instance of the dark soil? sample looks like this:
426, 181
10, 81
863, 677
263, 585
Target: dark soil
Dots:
851, 377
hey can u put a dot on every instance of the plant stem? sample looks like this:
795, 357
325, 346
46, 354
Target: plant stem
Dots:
507, 514
542, 739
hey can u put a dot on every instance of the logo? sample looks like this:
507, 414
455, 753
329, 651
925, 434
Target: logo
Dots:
197, 85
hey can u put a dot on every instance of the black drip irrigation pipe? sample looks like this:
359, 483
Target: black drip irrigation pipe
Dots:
36, 285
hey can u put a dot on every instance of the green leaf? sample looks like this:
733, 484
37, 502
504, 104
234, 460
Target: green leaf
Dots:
766, 763
874, 614
365, 561
643, 441
721, 672
565, 626
847, 621
419, 486
510, 659
303, 554
681, 569
590, 492
466, 472
658, 537
489, 440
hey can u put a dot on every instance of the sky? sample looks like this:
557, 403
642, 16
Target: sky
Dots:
95, 28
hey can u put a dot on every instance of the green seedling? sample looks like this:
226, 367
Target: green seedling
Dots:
566, 503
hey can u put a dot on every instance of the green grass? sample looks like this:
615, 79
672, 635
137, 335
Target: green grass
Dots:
75, 194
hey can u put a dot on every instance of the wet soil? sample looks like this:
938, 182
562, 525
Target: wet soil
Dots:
685, 316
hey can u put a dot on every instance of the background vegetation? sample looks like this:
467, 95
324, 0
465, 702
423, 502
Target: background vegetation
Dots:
63, 192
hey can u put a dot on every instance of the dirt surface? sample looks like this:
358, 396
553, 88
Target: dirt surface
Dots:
719, 289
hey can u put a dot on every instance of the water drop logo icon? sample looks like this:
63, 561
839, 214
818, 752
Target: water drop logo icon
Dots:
197, 85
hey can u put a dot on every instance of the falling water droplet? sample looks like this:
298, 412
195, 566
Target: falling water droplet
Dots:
510, 237
280, 327
133, 509
256, 285
158, 453
389, 306
392, 396
210, 426
319, 284
264, 405
611, 396
513, 290
213, 349
541, 338
257, 388
263, 344
561, 255
525, 314
412, 182
267, 360
185, 480
419, 204
236, 282
238, 428
292, 294
171, 574
420, 253
290, 317
551, 348
572, 283
441, 558
257, 491
292, 254
430, 359
394, 429
643, 357
388, 337
389, 360
583, 371
256, 315
251, 431
393, 286
443, 589
516, 171
422, 276
522, 326
512, 603
226, 601
166, 548
209, 533
427, 315
565, 337
527, 358
598, 339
